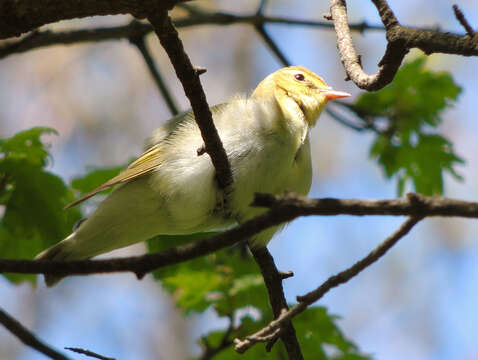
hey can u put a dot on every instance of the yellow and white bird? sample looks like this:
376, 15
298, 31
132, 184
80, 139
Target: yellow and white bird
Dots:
172, 190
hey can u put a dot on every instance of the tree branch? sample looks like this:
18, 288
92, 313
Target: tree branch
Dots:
274, 328
400, 40
38, 39
273, 280
390, 62
462, 20
140, 44
189, 77
209, 351
283, 209
89, 353
28, 338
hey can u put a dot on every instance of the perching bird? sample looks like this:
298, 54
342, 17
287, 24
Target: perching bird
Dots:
170, 189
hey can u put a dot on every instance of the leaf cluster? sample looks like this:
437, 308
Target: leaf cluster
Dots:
404, 115
230, 282
31, 198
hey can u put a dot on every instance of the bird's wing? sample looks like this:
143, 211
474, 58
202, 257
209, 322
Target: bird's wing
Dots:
150, 159
146, 163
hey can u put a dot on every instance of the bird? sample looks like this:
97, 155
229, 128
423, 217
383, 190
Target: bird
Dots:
171, 188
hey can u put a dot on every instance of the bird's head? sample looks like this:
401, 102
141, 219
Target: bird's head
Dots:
298, 89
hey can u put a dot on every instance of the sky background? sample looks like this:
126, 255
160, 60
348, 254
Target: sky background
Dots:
418, 302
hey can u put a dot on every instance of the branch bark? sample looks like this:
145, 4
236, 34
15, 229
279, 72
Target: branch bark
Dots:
27, 337
189, 77
273, 280
283, 209
274, 328
400, 40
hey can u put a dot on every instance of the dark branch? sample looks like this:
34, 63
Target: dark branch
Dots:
28, 338
283, 209
400, 40
189, 77
462, 20
38, 39
226, 341
272, 45
273, 329
273, 280
89, 353
140, 44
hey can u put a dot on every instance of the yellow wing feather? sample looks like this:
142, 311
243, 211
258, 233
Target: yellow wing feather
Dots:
144, 164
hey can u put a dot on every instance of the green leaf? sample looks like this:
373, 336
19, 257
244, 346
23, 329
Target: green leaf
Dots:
33, 198
423, 162
407, 110
232, 277
26, 145
316, 328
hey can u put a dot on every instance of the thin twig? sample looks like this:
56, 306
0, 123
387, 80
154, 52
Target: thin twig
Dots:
344, 121
462, 20
27, 337
273, 329
226, 341
140, 44
89, 353
261, 7
272, 45
273, 280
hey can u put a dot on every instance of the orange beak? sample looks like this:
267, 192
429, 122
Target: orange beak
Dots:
331, 94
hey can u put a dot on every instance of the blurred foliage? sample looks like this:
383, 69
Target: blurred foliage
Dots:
229, 281
32, 199
403, 113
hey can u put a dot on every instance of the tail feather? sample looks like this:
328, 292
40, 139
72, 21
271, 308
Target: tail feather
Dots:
57, 252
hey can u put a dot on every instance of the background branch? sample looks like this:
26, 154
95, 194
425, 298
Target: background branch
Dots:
89, 353
27, 337
140, 44
273, 329
38, 39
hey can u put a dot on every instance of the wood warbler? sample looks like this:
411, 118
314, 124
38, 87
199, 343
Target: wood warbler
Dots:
171, 189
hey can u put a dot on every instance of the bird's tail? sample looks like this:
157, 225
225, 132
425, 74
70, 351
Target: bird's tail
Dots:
58, 252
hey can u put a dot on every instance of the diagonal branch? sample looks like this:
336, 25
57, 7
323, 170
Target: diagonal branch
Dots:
462, 20
273, 280
271, 331
189, 77
140, 44
28, 338
89, 353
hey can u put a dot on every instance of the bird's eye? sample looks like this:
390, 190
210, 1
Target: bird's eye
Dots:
300, 77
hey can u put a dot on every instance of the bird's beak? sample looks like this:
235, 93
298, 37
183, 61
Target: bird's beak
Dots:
331, 94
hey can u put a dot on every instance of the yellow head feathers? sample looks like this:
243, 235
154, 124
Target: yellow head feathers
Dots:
306, 89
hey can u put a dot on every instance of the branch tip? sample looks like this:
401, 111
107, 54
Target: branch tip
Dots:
200, 70
286, 274
462, 20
